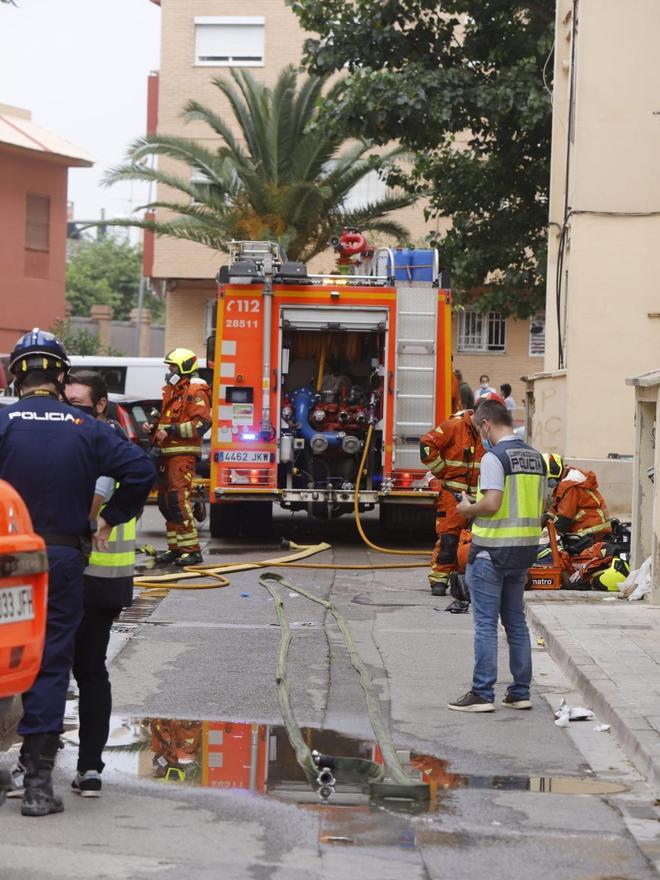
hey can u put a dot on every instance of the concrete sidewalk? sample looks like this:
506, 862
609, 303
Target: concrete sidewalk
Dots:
610, 651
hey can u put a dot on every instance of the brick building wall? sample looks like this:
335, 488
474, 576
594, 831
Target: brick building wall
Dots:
507, 366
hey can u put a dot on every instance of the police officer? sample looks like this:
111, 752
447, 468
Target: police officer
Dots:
53, 454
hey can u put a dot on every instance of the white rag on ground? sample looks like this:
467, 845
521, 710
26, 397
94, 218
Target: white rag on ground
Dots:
638, 582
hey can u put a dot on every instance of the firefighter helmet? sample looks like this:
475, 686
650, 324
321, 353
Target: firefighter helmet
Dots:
491, 395
38, 350
554, 464
184, 359
610, 578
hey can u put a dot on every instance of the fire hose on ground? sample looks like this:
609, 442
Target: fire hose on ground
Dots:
322, 769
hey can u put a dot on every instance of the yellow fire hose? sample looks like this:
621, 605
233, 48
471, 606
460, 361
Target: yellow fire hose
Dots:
356, 508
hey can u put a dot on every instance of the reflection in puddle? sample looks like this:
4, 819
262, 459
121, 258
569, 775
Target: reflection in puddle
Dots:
259, 758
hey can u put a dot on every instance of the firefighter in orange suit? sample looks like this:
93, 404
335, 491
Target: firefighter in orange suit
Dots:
578, 509
184, 419
452, 453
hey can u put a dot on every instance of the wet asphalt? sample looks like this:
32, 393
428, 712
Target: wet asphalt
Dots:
512, 794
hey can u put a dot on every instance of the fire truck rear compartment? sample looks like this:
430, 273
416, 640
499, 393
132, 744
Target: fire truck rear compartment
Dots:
332, 383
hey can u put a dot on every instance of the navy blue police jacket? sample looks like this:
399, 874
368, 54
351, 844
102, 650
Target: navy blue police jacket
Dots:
53, 453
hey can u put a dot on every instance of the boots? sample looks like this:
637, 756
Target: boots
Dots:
38, 799
167, 557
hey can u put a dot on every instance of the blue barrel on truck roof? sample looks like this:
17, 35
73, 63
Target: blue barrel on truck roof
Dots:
421, 261
402, 267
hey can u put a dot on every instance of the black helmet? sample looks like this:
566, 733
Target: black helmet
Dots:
38, 350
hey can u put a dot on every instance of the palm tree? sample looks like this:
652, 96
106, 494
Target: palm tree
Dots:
284, 178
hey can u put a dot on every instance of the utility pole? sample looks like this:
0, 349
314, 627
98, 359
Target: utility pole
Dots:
140, 307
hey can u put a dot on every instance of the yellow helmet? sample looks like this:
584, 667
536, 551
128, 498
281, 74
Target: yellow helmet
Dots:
610, 578
554, 464
184, 359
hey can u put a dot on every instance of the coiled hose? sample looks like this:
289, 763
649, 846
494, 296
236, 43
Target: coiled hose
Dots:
356, 508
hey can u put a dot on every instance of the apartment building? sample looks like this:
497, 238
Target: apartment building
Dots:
201, 40
34, 165
603, 316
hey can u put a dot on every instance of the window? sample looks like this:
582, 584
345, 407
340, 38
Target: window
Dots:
477, 332
37, 236
229, 41
37, 223
537, 336
372, 188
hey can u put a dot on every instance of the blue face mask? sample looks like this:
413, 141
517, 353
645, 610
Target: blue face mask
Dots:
486, 444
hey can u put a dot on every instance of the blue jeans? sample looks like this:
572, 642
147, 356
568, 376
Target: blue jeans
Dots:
499, 593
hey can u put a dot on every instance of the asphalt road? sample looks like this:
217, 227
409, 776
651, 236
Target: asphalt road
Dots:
513, 792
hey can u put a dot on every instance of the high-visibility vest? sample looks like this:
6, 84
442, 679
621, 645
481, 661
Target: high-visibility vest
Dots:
511, 536
119, 559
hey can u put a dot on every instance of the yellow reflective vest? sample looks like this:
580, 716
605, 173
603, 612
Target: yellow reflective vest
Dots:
119, 559
511, 536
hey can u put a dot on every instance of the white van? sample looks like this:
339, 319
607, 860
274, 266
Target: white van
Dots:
141, 377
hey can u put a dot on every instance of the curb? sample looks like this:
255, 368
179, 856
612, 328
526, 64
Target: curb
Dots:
634, 747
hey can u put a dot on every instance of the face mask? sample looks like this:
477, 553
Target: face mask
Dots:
172, 378
484, 384
486, 444
86, 409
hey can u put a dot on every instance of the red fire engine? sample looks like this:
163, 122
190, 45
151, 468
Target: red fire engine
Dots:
305, 365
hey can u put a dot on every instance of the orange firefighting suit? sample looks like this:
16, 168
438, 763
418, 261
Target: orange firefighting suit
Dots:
452, 452
186, 416
578, 508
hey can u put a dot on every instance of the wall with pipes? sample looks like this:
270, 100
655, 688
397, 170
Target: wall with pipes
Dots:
603, 314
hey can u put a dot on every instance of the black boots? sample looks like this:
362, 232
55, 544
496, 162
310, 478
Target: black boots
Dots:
38, 799
192, 558
167, 557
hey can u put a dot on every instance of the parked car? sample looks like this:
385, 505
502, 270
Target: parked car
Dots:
133, 413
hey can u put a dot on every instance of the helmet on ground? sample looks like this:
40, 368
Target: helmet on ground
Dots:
184, 359
38, 350
554, 464
610, 578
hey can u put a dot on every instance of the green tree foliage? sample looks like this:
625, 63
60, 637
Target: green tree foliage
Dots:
460, 83
275, 175
77, 341
106, 271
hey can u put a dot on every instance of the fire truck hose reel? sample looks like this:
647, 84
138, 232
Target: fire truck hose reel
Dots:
303, 400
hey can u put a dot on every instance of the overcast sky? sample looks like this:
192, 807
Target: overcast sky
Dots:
81, 67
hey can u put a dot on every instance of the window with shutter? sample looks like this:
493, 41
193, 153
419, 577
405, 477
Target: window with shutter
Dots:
37, 222
227, 41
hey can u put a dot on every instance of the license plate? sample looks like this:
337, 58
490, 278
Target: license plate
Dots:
237, 455
16, 604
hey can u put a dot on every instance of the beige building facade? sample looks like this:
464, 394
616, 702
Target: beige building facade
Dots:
603, 308
200, 41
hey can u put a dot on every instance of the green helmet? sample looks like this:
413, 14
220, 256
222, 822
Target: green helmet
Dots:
611, 577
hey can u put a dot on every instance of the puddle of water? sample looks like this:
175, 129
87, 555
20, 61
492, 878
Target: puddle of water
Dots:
259, 758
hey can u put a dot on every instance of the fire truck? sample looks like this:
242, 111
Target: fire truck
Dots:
315, 374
